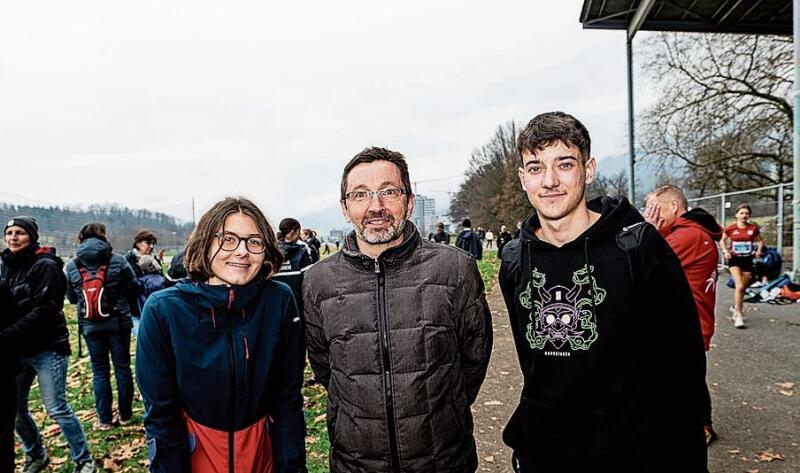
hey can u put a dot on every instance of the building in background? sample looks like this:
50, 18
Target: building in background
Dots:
424, 216
336, 235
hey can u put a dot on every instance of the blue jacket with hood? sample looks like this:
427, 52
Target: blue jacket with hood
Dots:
219, 362
121, 287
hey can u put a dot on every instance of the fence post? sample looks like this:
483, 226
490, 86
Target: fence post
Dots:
722, 210
780, 220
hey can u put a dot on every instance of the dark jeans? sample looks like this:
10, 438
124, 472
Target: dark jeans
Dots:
117, 344
8, 411
51, 369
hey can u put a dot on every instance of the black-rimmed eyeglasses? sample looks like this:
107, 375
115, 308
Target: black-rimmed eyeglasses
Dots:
389, 194
231, 241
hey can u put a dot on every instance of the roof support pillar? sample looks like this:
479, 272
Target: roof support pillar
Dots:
631, 141
796, 146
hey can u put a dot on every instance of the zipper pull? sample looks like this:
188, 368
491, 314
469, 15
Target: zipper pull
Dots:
230, 299
377, 266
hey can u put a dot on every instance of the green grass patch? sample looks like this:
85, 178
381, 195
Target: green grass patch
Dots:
489, 266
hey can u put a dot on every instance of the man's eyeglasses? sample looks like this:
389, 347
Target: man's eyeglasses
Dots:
389, 194
231, 241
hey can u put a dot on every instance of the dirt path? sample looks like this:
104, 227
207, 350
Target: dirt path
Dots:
499, 394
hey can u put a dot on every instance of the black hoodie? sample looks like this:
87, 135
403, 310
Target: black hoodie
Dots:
36, 281
610, 349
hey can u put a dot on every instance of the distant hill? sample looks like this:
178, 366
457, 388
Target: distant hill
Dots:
325, 220
59, 226
646, 173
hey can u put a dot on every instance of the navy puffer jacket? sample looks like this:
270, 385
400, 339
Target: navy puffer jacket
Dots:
119, 290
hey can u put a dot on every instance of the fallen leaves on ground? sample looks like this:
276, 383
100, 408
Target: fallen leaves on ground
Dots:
769, 456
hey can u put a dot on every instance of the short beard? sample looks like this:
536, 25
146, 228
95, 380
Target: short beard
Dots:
376, 238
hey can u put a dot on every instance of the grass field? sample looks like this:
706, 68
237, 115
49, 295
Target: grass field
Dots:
123, 448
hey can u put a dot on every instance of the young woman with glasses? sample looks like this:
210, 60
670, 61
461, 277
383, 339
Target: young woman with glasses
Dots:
220, 355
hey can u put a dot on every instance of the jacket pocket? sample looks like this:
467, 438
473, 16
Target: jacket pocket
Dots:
547, 432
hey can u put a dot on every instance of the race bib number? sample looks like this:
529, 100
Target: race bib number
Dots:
742, 247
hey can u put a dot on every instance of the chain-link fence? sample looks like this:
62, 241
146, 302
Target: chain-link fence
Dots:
771, 210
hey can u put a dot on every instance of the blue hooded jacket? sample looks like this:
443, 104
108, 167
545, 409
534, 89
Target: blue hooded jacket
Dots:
219, 360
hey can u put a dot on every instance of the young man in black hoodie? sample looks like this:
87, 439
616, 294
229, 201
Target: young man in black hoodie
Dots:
608, 385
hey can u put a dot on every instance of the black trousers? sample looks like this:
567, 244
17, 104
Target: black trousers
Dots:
8, 411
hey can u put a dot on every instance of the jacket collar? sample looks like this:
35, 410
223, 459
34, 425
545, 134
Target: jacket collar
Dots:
391, 257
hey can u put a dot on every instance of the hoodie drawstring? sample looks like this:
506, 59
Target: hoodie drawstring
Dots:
213, 317
231, 296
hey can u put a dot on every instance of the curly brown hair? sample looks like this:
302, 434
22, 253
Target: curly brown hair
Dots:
196, 259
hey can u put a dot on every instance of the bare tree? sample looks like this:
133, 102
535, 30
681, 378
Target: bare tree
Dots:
491, 194
724, 111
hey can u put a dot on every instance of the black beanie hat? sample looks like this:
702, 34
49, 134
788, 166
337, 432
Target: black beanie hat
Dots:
28, 224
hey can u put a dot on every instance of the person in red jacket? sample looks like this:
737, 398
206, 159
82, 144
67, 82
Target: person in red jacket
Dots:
692, 235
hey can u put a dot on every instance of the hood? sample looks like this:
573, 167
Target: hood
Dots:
93, 252
28, 255
233, 298
615, 213
467, 232
391, 256
699, 218
290, 250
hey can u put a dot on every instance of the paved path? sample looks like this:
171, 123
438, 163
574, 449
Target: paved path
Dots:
756, 412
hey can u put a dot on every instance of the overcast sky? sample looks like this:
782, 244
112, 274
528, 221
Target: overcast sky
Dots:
151, 103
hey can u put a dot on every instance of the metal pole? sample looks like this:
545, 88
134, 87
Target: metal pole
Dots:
722, 210
631, 152
780, 220
796, 147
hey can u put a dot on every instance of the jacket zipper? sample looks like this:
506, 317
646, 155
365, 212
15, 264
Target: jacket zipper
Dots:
232, 401
388, 387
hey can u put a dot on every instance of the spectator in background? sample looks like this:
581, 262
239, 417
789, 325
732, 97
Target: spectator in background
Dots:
489, 239
105, 320
33, 273
481, 234
469, 241
519, 229
220, 355
441, 236
177, 270
296, 257
502, 238
148, 268
310, 238
693, 236
741, 243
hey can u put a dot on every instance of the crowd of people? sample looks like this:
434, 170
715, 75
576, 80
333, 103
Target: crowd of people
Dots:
395, 326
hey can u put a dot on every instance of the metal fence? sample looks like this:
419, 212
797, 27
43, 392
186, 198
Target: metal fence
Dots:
772, 211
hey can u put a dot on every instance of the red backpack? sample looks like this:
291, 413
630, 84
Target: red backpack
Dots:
92, 289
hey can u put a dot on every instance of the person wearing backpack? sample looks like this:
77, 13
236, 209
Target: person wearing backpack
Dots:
104, 287
603, 321
33, 273
469, 240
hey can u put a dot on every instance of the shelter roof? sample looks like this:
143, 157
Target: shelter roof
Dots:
705, 16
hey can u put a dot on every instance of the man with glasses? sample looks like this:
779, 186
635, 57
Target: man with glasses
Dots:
398, 332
